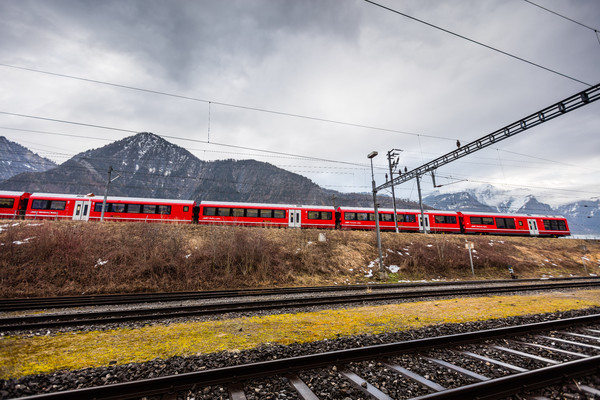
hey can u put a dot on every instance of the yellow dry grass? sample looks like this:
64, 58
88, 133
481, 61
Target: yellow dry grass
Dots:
21, 355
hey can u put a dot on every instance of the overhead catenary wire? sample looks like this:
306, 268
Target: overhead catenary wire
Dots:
567, 18
478, 43
180, 138
212, 102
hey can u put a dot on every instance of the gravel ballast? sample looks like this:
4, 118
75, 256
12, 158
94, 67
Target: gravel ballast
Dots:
67, 380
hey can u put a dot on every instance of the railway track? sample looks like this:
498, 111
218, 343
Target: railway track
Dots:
252, 304
78, 319
7, 305
488, 364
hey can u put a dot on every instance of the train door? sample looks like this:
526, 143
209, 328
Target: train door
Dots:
427, 227
81, 211
294, 218
533, 227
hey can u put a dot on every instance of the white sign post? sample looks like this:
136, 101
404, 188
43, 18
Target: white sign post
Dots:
470, 246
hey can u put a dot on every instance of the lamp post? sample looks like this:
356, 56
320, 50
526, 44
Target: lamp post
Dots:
382, 274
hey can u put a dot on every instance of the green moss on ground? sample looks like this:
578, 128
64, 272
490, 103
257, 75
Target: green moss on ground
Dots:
25, 355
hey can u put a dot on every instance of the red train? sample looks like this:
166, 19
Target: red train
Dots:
89, 207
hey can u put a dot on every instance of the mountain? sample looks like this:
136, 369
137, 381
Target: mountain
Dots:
16, 159
146, 165
460, 201
583, 216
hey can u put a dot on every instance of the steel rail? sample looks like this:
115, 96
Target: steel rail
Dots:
36, 322
21, 304
235, 374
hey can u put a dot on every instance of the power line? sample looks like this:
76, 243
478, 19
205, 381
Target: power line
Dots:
478, 43
567, 18
180, 138
212, 102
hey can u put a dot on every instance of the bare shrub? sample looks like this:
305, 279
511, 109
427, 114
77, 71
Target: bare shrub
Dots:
53, 258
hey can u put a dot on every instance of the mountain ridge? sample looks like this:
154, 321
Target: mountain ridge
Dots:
146, 165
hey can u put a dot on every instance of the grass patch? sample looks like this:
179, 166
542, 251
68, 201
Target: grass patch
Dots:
60, 258
21, 356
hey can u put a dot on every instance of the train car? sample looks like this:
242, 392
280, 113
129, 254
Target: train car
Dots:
143, 209
510, 224
89, 207
13, 204
443, 222
364, 218
267, 215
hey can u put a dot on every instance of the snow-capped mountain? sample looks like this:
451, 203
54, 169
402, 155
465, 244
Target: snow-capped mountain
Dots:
583, 216
149, 166
16, 159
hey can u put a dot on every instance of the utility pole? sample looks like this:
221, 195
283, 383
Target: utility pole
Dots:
110, 170
390, 154
421, 204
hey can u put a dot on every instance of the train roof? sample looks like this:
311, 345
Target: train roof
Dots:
508, 215
11, 193
263, 205
109, 198
398, 210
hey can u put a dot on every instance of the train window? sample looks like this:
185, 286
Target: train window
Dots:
362, 216
350, 216
562, 226
407, 218
7, 203
328, 215
134, 208
505, 223
209, 211
372, 216
148, 209
186, 208
117, 207
482, 220
98, 207
252, 213
445, 219
265, 213
547, 224
238, 212
278, 213
39, 204
223, 212
58, 204
313, 215
164, 210
386, 217
555, 225
520, 223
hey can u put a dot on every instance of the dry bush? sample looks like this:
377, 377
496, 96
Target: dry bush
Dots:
66, 258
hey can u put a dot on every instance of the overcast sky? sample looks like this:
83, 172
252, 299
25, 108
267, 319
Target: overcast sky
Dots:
330, 80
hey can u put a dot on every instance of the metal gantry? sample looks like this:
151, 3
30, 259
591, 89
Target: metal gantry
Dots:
556, 110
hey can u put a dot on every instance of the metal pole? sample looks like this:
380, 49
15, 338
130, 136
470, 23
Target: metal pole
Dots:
471, 258
382, 274
393, 192
421, 204
110, 169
